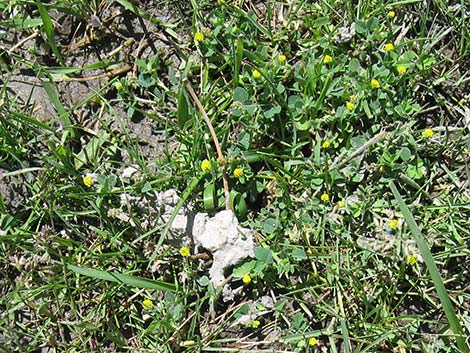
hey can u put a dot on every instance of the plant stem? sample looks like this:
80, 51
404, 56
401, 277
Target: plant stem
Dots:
216, 143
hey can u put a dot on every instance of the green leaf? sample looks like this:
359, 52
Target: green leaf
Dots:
264, 255
295, 103
280, 89
423, 247
405, 154
147, 187
209, 197
272, 111
366, 108
183, 112
302, 124
299, 254
240, 95
243, 269
414, 171
49, 29
354, 66
22, 23
90, 151
361, 26
130, 280
321, 21
270, 225
238, 203
237, 62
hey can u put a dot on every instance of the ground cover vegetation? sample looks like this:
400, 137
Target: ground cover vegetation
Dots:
343, 128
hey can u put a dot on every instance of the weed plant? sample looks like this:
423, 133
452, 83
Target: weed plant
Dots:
344, 132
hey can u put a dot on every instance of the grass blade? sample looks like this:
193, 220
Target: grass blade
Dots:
237, 62
49, 29
184, 196
423, 247
133, 281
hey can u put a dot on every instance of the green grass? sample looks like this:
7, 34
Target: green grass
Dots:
349, 162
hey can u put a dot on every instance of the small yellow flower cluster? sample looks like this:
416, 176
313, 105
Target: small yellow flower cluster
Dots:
411, 260
198, 36
312, 341
350, 105
428, 133
238, 173
282, 58
389, 47
401, 69
326, 144
246, 279
256, 74
393, 224
147, 304
325, 197
341, 204
205, 165
374, 83
327, 59
391, 14
255, 324
184, 251
88, 180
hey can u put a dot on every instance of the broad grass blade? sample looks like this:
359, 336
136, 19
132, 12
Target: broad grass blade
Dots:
423, 247
133, 281
49, 29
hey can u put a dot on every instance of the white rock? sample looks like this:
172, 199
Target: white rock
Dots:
225, 239
221, 234
129, 171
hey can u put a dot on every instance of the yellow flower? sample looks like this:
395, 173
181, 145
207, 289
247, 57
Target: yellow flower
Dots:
238, 173
327, 59
282, 58
350, 106
88, 180
312, 341
205, 165
184, 251
391, 14
147, 304
220, 2
352, 97
97, 100
401, 69
118, 85
374, 83
256, 74
389, 47
246, 279
341, 204
255, 323
326, 144
325, 197
198, 37
428, 133
411, 260
393, 224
